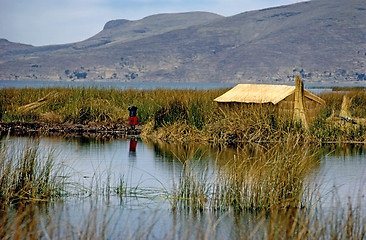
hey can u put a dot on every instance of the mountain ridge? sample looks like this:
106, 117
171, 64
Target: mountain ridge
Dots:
320, 40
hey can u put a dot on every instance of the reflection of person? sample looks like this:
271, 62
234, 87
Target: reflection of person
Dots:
133, 116
133, 145
132, 152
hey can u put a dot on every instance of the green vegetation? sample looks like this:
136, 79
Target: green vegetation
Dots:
329, 128
94, 105
266, 179
296, 224
27, 177
258, 178
265, 182
184, 115
181, 115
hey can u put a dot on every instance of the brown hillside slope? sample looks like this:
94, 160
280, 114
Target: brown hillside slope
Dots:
319, 40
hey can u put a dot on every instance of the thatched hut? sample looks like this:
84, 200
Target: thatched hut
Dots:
302, 104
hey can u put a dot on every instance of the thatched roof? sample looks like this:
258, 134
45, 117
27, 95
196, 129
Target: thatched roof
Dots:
262, 93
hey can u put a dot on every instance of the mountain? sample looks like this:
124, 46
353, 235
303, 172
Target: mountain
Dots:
6, 46
124, 30
321, 40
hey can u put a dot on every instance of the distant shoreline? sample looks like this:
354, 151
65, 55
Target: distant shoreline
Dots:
161, 85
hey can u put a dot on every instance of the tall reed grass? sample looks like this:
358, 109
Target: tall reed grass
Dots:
184, 115
26, 176
265, 182
82, 105
257, 179
99, 223
258, 194
329, 128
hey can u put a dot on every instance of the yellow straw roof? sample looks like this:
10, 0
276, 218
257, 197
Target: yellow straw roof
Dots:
262, 93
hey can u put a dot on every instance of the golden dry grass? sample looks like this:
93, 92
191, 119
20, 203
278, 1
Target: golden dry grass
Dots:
184, 115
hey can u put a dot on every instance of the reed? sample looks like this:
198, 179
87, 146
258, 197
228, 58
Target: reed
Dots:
257, 179
192, 191
329, 127
32, 222
357, 102
27, 177
263, 181
252, 124
165, 114
80, 105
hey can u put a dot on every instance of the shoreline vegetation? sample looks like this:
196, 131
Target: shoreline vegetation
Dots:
265, 178
264, 182
180, 116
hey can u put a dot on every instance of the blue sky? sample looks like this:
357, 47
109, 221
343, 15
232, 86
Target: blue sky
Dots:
44, 22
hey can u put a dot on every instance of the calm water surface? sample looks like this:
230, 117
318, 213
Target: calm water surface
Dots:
112, 84
157, 166
154, 168
316, 87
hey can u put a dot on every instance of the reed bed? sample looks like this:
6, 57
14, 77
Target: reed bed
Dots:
184, 115
257, 179
265, 182
28, 177
30, 223
329, 128
357, 102
82, 105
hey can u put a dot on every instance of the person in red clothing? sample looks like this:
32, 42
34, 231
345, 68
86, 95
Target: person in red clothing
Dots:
133, 116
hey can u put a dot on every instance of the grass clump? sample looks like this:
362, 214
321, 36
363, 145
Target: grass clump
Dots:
273, 178
251, 123
257, 179
27, 177
329, 127
357, 102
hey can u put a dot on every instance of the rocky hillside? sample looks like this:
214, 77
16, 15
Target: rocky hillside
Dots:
322, 40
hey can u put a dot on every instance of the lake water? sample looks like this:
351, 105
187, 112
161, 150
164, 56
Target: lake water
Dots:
313, 87
113, 84
152, 169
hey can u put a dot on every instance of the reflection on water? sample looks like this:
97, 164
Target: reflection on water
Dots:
158, 165
133, 146
344, 150
343, 172
153, 168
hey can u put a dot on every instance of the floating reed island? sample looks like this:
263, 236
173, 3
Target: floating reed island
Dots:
188, 115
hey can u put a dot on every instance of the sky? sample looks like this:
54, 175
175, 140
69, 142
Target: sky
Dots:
46, 22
